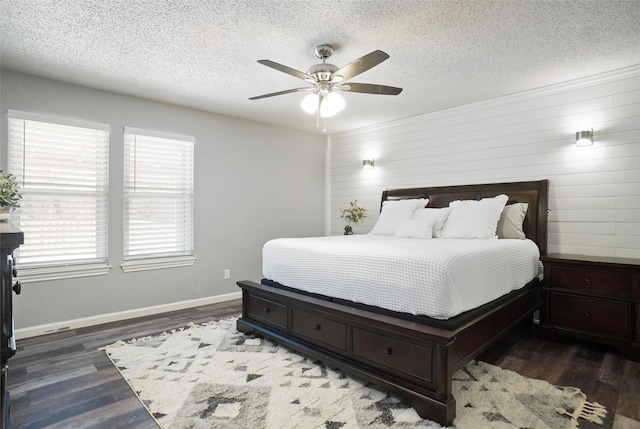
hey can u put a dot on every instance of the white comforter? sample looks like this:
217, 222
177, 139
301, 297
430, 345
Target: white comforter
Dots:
440, 278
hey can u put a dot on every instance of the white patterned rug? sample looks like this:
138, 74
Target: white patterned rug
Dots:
213, 376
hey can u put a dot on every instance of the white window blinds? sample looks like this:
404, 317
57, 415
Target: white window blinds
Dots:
158, 195
63, 170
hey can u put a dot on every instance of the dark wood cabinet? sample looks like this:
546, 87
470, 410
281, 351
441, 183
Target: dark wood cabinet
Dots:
11, 238
594, 299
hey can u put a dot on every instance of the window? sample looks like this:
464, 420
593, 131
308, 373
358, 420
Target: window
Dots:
63, 170
158, 200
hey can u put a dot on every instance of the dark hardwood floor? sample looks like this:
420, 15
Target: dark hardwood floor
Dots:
63, 380
602, 373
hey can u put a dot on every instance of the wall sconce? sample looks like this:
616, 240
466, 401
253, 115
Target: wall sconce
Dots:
367, 164
584, 138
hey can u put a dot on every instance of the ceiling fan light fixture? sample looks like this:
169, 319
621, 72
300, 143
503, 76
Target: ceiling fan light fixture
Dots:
331, 105
310, 103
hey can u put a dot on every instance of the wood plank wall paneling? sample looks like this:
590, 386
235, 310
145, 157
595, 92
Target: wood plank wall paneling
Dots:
594, 191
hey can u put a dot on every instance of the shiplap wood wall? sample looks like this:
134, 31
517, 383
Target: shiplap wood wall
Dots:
594, 191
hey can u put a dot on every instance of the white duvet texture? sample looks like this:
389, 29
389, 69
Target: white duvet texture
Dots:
440, 278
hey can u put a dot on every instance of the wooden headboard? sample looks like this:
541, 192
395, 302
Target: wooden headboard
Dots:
535, 193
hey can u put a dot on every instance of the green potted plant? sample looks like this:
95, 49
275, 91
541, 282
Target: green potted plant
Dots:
353, 214
9, 195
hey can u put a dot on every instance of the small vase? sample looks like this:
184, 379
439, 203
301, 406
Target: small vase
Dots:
5, 213
348, 230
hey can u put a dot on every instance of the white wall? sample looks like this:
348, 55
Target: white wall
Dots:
594, 191
253, 182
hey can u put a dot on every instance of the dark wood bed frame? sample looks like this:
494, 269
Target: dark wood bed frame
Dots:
411, 358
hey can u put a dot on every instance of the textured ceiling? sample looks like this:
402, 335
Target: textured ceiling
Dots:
203, 54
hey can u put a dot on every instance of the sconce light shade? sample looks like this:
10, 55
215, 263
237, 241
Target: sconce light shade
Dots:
584, 138
367, 164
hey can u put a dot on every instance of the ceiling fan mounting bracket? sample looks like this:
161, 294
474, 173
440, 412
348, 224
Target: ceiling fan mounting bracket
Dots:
324, 51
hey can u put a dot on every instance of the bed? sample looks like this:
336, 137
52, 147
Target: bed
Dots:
410, 353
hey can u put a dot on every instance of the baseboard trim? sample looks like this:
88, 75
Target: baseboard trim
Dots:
50, 328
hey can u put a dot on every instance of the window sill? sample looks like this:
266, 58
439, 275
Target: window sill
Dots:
157, 263
41, 274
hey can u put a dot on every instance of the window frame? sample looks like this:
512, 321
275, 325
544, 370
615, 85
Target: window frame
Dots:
62, 269
132, 263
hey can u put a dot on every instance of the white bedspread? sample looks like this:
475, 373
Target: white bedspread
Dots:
440, 278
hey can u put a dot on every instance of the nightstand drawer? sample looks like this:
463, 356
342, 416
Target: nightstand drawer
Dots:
268, 311
591, 315
319, 329
598, 282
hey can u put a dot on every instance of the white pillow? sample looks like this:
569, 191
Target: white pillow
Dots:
415, 228
511, 220
474, 219
437, 216
393, 212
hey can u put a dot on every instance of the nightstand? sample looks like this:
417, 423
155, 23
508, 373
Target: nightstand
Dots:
592, 298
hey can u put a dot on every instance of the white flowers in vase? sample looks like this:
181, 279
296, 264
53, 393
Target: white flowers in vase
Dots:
353, 214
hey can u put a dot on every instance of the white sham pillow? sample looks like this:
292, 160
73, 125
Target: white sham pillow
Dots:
511, 220
394, 212
437, 216
415, 228
474, 219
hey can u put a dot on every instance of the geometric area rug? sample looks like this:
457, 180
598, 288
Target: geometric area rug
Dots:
212, 376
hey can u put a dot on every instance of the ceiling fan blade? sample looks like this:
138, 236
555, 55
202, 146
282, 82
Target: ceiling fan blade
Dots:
361, 65
369, 88
287, 70
288, 91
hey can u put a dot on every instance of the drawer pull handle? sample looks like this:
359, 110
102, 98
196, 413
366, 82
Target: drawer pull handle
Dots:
587, 281
587, 315
316, 327
267, 310
387, 351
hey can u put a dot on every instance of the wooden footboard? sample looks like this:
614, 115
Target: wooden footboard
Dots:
412, 359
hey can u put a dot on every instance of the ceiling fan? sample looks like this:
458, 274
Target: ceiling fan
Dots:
326, 78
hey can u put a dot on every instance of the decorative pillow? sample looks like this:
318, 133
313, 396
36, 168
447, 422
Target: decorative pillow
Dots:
393, 212
474, 219
415, 228
511, 220
437, 216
